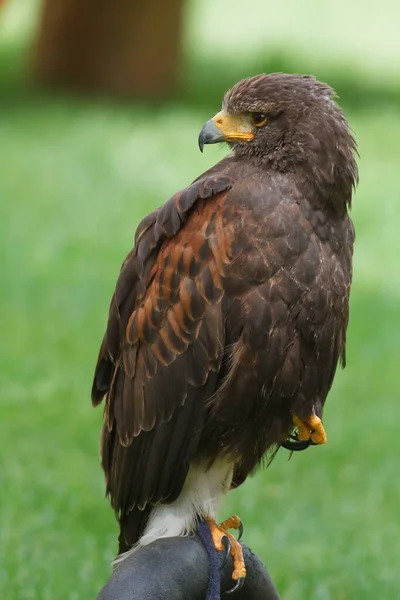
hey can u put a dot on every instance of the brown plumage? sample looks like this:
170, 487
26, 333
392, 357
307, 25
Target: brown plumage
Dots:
229, 315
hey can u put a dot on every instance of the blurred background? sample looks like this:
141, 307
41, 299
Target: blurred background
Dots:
100, 107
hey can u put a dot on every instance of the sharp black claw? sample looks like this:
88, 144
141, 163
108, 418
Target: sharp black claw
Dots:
228, 546
295, 445
236, 587
240, 531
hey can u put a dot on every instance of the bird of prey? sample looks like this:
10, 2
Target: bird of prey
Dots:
229, 315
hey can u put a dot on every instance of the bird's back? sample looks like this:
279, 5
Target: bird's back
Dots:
285, 313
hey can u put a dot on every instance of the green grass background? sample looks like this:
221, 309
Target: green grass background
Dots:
76, 176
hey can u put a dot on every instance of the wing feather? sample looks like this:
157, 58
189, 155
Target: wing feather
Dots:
162, 351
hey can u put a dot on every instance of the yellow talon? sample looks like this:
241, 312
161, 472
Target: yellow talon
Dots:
310, 428
218, 532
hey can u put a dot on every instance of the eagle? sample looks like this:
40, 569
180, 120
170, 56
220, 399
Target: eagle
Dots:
229, 315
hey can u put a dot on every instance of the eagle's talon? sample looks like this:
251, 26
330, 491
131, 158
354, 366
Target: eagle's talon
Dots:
228, 547
295, 445
218, 533
232, 523
241, 529
238, 585
310, 430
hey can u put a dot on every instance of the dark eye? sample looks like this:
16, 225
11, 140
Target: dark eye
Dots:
258, 119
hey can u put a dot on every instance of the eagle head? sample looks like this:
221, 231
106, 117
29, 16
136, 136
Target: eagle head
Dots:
287, 122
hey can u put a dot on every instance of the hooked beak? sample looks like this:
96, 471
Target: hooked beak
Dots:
210, 134
226, 128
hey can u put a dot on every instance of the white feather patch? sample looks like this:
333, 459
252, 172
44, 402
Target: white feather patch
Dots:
200, 497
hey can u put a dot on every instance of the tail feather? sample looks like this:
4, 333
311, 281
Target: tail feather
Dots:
132, 526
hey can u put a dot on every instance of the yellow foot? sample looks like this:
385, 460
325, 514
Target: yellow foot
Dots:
218, 532
310, 428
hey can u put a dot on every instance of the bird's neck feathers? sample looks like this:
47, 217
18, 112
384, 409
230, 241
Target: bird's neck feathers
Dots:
329, 179
331, 172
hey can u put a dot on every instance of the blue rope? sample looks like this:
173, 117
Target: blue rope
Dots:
214, 582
